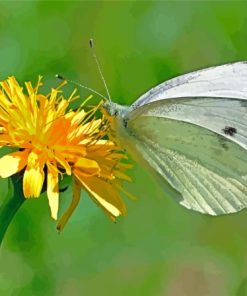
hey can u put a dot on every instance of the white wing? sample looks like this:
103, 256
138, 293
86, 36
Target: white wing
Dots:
229, 81
215, 114
210, 177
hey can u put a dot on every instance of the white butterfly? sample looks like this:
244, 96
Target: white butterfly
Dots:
191, 132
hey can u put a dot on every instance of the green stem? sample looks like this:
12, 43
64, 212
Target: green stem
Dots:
11, 203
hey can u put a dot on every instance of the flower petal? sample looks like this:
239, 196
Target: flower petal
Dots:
12, 163
62, 161
53, 190
90, 127
73, 205
33, 181
87, 167
122, 176
104, 194
33, 178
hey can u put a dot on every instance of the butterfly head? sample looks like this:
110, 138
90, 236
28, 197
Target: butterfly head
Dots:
117, 117
111, 109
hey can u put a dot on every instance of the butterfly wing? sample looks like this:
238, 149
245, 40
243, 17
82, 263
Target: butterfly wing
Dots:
228, 81
208, 170
191, 130
220, 115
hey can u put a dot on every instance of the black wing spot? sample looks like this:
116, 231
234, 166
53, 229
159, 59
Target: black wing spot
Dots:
229, 130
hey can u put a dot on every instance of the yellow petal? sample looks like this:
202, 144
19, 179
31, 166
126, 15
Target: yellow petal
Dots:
33, 178
62, 161
120, 188
122, 176
32, 182
76, 117
53, 191
104, 194
90, 127
87, 167
75, 200
12, 163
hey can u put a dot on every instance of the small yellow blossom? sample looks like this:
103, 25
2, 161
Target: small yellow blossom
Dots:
53, 140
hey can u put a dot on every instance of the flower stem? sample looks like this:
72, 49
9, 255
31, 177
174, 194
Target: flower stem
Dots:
11, 203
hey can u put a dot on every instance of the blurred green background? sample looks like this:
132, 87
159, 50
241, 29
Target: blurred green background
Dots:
159, 248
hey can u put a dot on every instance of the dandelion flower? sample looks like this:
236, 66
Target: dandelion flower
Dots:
51, 140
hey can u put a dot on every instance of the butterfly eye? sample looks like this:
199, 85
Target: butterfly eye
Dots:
125, 122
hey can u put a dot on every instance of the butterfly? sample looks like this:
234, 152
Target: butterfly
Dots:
191, 133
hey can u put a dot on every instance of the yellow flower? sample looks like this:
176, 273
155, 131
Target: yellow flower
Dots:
53, 140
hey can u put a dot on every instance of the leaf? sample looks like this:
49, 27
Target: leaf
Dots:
10, 203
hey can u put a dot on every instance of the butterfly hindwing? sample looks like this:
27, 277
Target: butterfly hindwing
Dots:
208, 170
224, 116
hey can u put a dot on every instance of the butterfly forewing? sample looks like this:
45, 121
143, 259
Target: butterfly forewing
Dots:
228, 81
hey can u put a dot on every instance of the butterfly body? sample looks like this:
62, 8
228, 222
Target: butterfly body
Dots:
191, 132
119, 131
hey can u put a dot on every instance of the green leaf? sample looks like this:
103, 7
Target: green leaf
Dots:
10, 203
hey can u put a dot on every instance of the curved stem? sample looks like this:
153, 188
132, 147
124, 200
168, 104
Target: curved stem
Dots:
10, 204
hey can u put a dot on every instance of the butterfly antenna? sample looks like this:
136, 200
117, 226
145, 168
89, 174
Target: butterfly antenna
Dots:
80, 85
91, 43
